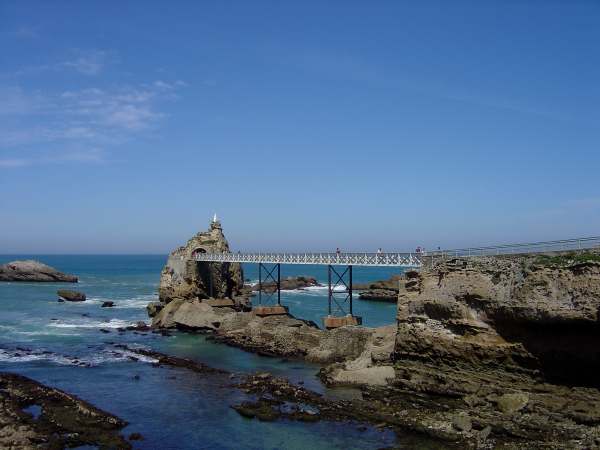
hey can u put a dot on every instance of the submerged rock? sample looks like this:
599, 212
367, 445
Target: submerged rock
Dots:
30, 270
108, 304
71, 296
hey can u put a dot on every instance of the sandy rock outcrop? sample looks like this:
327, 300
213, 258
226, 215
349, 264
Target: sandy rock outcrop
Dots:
517, 313
30, 270
193, 314
370, 362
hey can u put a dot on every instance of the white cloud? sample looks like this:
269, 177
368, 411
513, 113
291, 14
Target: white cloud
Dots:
88, 62
14, 101
16, 162
91, 63
90, 155
24, 32
80, 119
124, 109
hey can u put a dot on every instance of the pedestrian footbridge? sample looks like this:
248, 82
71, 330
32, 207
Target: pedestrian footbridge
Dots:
340, 266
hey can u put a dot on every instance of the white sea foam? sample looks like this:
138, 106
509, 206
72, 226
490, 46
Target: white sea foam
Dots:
112, 323
318, 290
44, 333
138, 302
21, 356
103, 357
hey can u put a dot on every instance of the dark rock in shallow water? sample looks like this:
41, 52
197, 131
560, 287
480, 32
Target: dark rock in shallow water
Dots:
383, 290
70, 296
139, 326
288, 284
64, 421
108, 304
382, 295
30, 270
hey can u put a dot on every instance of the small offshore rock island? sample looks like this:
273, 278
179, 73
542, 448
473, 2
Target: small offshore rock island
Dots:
485, 352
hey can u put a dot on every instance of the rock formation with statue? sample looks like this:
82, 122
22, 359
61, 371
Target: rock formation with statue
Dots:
185, 282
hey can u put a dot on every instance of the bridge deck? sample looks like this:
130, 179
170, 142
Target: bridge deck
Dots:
334, 259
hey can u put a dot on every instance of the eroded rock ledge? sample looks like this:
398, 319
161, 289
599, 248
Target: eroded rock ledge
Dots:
34, 416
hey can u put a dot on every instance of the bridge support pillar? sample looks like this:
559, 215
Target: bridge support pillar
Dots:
270, 274
339, 290
266, 304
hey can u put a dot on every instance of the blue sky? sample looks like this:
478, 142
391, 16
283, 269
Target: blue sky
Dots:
304, 125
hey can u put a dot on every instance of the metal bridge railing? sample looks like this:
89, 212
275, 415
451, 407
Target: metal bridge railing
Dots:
345, 259
516, 249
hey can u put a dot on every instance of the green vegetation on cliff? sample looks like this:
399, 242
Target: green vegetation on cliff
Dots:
567, 259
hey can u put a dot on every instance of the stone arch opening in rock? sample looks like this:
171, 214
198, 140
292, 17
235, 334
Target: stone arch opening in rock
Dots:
199, 250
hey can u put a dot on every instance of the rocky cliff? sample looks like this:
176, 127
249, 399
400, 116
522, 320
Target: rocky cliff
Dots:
185, 280
533, 314
505, 340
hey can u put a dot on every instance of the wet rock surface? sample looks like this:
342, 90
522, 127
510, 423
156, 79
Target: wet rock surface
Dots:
30, 270
70, 296
34, 416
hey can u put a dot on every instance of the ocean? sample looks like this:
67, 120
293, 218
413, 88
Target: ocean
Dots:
71, 346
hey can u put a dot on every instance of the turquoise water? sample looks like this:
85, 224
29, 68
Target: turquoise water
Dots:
61, 344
